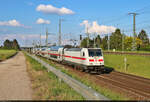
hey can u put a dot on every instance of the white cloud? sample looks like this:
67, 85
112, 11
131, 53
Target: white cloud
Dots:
49, 9
86, 23
42, 21
10, 23
96, 28
13, 23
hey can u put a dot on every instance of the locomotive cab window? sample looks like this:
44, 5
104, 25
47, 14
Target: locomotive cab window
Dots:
94, 52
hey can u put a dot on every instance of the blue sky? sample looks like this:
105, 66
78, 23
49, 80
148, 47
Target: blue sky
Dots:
18, 18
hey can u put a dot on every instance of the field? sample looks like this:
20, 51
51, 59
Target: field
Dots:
137, 65
5, 54
47, 86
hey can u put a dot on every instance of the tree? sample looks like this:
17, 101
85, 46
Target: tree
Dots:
7, 44
116, 40
15, 45
104, 42
143, 36
129, 41
91, 43
84, 42
138, 43
11, 44
98, 41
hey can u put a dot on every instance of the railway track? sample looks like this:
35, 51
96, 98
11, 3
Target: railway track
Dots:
138, 89
127, 53
132, 86
137, 78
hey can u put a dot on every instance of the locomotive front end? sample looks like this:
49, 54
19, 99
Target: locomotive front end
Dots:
95, 60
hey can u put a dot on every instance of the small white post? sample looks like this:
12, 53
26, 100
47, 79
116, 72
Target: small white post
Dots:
125, 63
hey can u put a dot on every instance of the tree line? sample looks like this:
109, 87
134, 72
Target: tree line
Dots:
8, 44
119, 41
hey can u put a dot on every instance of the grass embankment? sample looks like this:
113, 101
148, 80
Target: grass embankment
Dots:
5, 54
137, 65
48, 86
87, 81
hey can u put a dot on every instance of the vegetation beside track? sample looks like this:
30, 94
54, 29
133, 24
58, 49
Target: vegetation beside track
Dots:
5, 54
136, 65
87, 81
47, 85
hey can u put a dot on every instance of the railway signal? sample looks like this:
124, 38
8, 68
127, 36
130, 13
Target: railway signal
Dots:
81, 37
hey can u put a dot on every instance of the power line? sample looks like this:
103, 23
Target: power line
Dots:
142, 9
115, 19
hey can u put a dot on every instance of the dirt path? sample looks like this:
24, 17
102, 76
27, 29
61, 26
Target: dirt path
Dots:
14, 81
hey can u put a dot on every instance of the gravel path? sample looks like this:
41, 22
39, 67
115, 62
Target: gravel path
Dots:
14, 81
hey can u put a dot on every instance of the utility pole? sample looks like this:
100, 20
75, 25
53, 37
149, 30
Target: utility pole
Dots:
134, 31
47, 33
87, 38
108, 42
46, 37
40, 40
123, 42
25, 42
59, 42
94, 40
59, 32
33, 44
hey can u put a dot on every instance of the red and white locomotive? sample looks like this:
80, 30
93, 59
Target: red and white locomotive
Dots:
87, 59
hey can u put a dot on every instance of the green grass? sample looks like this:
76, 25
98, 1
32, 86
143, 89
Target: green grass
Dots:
86, 80
47, 85
5, 54
137, 65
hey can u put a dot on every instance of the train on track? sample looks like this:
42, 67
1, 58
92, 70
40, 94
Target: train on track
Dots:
86, 59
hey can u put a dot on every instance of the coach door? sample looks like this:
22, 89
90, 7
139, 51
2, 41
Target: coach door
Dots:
82, 57
60, 57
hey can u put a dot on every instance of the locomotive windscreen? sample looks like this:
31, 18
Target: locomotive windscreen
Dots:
94, 52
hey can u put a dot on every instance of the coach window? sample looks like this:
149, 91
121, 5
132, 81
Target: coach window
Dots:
83, 54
